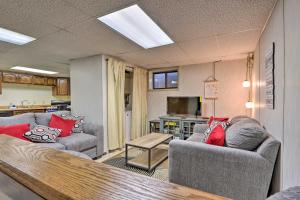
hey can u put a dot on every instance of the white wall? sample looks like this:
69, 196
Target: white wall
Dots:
291, 161
39, 95
283, 28
88, 96
232, 98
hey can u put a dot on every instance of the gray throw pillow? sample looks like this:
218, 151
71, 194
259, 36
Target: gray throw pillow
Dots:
78, 126
242, 117
43, 134
245, 134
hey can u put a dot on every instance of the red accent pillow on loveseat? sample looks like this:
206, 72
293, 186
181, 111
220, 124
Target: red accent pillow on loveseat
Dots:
217, 136
17, 130
220, 119
66, 125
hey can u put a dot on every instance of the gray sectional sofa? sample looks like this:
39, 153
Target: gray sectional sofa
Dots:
230, 172
90, 142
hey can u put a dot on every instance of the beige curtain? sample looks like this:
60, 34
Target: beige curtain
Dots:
116, 104
139, 103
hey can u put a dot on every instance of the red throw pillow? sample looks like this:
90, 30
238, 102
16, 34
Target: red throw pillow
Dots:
65, 125
217, 136
220, 119
17, 130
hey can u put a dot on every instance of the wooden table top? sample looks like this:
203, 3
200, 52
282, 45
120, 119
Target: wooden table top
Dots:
149, 141
55, 175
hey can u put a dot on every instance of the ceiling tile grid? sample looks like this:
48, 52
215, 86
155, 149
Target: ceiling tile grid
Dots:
203, 30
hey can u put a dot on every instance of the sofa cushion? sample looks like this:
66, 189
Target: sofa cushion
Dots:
78, 126
217, 136
65, 125
78, 142
44, 118
220, 119
196, 137
53, 145
27, 118
43, 134
243, 117
17, 130
245, 134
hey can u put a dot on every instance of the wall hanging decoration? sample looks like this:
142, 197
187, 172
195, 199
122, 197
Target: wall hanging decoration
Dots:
269, 77
247, 83
211, 89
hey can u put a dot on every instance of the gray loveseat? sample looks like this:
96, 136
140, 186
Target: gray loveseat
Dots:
230, 172
90, 142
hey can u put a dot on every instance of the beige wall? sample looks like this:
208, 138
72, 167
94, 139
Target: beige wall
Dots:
283, 28
39, 95
232, 95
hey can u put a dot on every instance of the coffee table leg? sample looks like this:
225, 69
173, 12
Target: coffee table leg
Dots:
126, 154
149, 160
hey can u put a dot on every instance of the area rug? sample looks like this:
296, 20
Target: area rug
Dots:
161, 172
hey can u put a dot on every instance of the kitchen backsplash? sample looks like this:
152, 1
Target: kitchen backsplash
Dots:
33, 94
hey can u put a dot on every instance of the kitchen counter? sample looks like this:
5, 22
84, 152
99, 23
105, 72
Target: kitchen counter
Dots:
5, 111
29, 108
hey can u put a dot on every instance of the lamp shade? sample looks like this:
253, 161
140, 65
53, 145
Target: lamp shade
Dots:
249, 104
246, 84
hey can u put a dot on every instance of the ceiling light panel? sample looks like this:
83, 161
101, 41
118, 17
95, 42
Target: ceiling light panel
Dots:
28, 69
14, 37
136, 25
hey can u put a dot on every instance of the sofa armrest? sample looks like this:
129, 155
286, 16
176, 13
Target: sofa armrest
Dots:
200, 128
233, 173
96, 130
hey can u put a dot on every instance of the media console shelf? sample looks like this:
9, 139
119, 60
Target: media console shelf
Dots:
180, 127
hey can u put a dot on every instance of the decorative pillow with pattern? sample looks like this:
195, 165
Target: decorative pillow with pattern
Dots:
43, 134
212, 126
78, 126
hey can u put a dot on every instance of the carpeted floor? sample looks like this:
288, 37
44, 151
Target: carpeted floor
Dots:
160, 172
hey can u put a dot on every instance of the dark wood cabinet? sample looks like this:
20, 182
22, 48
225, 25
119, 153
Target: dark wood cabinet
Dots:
8, 77
51, 81
24, 79
38, 80
62, 87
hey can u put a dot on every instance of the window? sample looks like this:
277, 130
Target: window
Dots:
165, 80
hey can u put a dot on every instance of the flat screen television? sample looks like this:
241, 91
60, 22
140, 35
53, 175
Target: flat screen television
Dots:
184, 106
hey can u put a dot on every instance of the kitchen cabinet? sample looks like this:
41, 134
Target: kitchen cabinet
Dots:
24, 79
62, 87
51, 81
38, 80
8, 77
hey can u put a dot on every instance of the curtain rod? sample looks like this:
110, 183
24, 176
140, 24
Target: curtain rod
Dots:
126, 66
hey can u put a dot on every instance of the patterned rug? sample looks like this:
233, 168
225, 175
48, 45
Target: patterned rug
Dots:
161, 172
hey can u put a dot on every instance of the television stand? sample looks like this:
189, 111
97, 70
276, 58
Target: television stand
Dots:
180, 126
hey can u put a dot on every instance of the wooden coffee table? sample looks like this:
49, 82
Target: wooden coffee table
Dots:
156, 152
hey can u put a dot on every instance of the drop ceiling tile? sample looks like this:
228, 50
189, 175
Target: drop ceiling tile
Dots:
4, 46
100, 37
182, 20
200, 49
141, 58
170, 53
242, 42
55, 12
242, 15
98, 8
